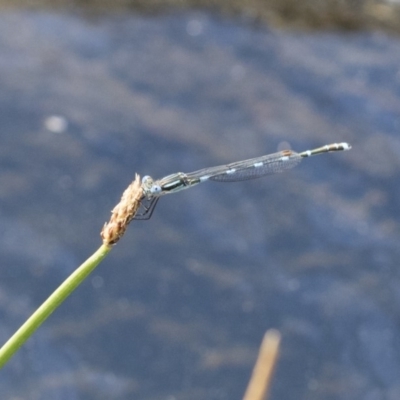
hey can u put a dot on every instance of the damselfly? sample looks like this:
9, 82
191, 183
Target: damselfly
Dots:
234, 172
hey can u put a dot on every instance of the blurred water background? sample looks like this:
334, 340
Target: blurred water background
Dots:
92, 94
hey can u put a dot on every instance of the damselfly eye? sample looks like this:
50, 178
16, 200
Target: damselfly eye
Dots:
147, 180
155, 189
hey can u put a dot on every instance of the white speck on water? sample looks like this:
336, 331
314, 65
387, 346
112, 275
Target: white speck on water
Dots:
56, 124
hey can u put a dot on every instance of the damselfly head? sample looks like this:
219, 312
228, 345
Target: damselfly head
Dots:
149, 187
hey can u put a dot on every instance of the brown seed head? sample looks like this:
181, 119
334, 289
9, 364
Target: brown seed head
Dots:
123, 213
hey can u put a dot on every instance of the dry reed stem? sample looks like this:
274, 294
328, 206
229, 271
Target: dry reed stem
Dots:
123, 213
260, 379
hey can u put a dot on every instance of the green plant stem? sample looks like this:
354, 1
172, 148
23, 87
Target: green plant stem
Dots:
55, 299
